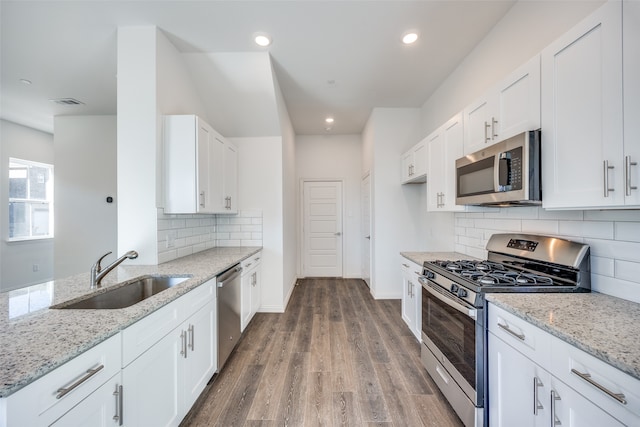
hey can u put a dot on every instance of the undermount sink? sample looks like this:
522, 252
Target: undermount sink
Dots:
126, 295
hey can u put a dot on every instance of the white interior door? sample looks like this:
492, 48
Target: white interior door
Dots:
322, 229
366, 230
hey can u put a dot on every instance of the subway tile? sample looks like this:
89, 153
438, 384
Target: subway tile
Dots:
177, 223
239, 221
508, 225
523, 212
251, 228
245, 243
256, 236
251, 213
594, 229
164, 224
167, 256
476, 253
475, 233
611, 215
561, 215
199, 247
211, 244
626, 270
628, 231
603, 266
460, 248
464, 222
256, 221
228, 243
459, 231
540, 226
240, 236
619, 250
616, 287
184, 251
190, 241
484, 223
229, 228
222, 220
192, 222
184, 232
180, 243
222, 236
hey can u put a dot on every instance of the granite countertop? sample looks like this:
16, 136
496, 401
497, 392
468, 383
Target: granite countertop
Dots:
603, 326
37, 339
420, 257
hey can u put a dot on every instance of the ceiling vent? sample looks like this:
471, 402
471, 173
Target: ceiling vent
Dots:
67, 101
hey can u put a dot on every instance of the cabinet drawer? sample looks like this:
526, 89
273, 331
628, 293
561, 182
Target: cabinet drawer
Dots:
197, 298
597, 381
410, 267
530, 340
46, 399
251, 262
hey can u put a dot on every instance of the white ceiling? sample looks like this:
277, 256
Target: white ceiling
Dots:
338, 58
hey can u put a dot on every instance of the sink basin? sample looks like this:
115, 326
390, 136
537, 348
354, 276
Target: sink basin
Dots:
126, 295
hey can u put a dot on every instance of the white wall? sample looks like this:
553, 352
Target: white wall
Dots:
335, 157
260, 188
85, 175
397, 210
17, 258
524, 31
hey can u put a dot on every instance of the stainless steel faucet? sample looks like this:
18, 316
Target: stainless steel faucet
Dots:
97, 273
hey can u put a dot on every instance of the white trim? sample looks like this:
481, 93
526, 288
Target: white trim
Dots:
279, 308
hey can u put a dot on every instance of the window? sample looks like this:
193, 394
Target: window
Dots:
30, 200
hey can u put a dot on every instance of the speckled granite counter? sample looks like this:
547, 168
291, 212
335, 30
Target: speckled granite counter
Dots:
420, 257
603, 326
36, 339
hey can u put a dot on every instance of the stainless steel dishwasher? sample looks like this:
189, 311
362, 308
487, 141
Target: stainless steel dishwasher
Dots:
228, 312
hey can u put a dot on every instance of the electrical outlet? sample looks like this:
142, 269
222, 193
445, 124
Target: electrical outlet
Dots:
171, 239
36, 268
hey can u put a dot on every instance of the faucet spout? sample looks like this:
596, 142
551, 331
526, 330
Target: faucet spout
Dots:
97, 273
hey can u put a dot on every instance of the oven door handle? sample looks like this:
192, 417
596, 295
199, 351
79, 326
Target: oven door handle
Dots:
466, 310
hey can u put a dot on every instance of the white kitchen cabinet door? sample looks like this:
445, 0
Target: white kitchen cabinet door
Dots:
216, 173
411, 297
631, 85
414, 164
256, 290
582, 145
201, 360
445, 147
517, 385
100, 409
230, 178
477, 123
518, 102
154, 384
245, 297
571, 409
420, 159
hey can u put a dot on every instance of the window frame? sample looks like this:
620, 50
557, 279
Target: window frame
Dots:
48, 201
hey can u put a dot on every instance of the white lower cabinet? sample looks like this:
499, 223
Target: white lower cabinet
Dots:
102, 408
531, 382
251, 289
412, 297
162, 384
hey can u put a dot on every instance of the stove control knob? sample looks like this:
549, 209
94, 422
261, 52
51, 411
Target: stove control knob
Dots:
429, 274
454, 288
462, 293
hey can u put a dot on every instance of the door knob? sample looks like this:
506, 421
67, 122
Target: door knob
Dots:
338, 234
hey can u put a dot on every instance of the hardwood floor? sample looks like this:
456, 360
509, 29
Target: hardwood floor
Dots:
336, 357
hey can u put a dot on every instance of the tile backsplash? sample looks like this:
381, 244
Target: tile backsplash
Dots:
182, 234
613, 236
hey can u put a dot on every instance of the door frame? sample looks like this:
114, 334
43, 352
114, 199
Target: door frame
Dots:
301, 245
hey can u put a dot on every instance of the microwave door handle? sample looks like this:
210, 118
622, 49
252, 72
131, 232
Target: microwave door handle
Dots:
501, 171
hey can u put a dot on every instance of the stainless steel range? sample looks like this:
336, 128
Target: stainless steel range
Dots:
453, 308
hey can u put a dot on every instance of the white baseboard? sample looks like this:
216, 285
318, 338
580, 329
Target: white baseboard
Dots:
279, 308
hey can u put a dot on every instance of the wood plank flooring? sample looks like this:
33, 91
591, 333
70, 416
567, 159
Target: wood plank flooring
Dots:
336, 357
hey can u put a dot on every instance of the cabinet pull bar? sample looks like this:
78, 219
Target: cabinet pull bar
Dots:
183, 342
118, 394
405, 265
65, 390
627, 174
606, 178
486, 137
620, 397
202, 199
191, 337
554, 420
536, 401
509, 330
494, 122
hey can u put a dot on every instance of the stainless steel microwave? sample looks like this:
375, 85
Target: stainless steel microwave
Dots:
506, 173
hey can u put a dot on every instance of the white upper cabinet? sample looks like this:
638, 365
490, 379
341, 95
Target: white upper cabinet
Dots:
507, 109
631, 87
201, 168
414, 164
444, 147
583, 156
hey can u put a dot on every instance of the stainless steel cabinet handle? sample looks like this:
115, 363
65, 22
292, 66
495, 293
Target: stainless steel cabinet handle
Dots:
338, 233
554, 398
191, 336
118, 394
183, 344
606, 178
63, 391
255, 278
587, 377
627, 175
202, 199
486, 128
509, 330
405, 265
494, 122
536, 402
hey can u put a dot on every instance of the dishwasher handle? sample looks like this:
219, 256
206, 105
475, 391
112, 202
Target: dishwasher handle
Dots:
228, 276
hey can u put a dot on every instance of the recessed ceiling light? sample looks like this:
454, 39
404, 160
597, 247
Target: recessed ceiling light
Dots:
329, 120
262, 39
25, 81
410, 38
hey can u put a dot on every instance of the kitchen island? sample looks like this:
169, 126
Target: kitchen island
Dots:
37, 339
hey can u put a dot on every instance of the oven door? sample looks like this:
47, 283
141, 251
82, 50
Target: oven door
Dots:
450, 331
